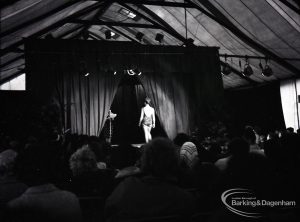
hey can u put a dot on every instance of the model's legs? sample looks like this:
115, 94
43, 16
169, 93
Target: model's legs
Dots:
147, 134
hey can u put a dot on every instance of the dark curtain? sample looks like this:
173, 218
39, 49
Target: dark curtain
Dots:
170, 102
184, 84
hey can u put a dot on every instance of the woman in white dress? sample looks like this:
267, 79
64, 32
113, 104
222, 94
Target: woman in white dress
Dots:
147, 119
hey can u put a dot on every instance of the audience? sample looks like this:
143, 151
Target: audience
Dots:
42, 201
43, 181
155, 193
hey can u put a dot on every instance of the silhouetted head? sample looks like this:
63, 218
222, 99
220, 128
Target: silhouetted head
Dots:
82, 161
160, 158
249, 135
7, 162
180, 139
238, 146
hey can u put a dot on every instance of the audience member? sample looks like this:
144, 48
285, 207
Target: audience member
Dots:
42, 201
10, 186
88, 179
155, 193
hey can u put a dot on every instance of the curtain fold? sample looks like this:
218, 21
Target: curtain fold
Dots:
184, 83
289, 92
170, 102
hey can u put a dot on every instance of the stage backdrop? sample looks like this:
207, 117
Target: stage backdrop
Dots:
184, 84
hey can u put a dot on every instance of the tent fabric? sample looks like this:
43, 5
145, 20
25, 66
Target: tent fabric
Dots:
270, 23
184, 84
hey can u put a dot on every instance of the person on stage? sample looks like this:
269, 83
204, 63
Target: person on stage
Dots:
147, 119
108, 127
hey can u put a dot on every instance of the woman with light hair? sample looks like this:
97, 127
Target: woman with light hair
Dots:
88, 179
147, 119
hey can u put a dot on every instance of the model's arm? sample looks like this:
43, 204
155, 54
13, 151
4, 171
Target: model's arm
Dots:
153, 118
142, 116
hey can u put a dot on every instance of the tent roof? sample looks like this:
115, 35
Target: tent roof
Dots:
256, 28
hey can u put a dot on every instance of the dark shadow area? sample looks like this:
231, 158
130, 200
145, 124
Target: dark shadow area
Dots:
127, 104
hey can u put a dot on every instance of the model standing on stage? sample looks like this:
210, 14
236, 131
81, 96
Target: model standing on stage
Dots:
147, 119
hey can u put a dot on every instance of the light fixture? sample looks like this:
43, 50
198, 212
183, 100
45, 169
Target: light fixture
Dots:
108, 34
83, 71
247, 68
226, 70
133, 72
190, 42
267, 71
139, 36
129, 14
159, 37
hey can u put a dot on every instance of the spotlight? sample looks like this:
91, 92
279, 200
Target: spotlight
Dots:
139, 36
247, 68
226, 67
159, 37
189, 42
83, 71
267, 71
107, 34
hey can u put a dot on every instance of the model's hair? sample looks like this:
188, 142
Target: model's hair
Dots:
160, 158
147, 100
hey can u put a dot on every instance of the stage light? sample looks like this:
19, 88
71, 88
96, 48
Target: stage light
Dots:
247, 68
159, 37
226, 67
108, 34
190, 42
267, 71
139, 36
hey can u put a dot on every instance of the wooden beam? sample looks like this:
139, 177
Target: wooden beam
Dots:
95, 35
169, 30
59, 23
39, 18
124, 34
291, 6
106, 4
157, 3
224, 21
69, 31
121, 24
14, 75
11, 61
183, 40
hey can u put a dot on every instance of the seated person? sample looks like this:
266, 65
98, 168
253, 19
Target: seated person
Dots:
88, 179
10, 187
155, 193
42, 201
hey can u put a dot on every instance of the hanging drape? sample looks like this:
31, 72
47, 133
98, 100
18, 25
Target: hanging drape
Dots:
289, 91
170, 102
184, 84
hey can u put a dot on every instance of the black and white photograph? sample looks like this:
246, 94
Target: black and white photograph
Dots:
149, 110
